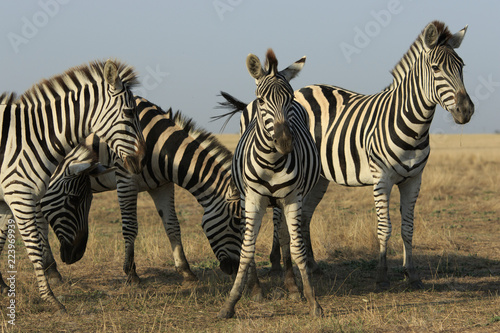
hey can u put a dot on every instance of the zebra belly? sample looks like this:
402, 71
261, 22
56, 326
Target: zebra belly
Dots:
108, 182
345, 170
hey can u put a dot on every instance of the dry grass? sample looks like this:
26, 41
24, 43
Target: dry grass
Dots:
457, 250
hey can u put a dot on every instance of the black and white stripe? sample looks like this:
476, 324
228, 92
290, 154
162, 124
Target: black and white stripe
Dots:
177, 153
382, 140
45, 124
275, 163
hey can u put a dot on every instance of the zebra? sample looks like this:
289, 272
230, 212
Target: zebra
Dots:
41, 126
382, 140
178, 152
275, 163
74, 174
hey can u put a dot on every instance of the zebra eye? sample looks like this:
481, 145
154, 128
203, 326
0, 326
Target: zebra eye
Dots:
435, 69
72, 199
260, 101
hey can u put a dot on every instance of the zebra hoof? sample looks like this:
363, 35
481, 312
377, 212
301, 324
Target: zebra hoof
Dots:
317, 311
61, 309
133, 280
61, 312
225, 313
189, 277
54, 278
416, 285
187, 284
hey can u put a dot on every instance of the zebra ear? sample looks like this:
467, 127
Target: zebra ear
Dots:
430, 36
254, 67
293, 70
455, 40
100, 170
77, 168
111, 75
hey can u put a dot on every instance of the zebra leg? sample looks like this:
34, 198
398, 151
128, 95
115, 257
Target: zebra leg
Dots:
49, 263
253, 283
290, 283
381, 194
164, 200
311, 201
292, 212
26, 223
5, 216
127, 198
253, 218
275, 255
409, 191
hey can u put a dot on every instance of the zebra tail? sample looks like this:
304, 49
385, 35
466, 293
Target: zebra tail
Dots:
233, 104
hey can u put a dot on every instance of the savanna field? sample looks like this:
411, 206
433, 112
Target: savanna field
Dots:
456, 249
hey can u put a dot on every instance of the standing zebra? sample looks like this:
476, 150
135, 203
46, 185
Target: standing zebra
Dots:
47, 122
382, 140
177, 153
275, 163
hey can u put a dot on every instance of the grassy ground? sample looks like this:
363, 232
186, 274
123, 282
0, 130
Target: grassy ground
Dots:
456, 248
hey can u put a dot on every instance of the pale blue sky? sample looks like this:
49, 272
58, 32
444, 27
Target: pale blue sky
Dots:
187, 51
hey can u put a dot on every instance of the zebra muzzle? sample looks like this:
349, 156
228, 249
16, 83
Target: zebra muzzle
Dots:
229, 266
283, 139
71, 253
464, 108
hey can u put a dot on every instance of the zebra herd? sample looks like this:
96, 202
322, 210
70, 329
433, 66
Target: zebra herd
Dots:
84, 132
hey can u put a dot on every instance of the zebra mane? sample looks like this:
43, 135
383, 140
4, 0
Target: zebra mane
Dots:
74, 78
7, 98
206, 139
271, 63
407, 61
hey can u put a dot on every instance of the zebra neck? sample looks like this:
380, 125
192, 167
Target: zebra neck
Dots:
210, 189
263, 146
189, 157
411, 110
53, 128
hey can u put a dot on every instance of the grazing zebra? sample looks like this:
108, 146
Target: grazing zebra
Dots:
382, 140
275, 163
70, 179
177, 153
44, 124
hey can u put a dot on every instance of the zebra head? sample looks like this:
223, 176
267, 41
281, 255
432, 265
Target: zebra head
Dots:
445, 69
119, 125
227, 245
68, 213
274, 97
